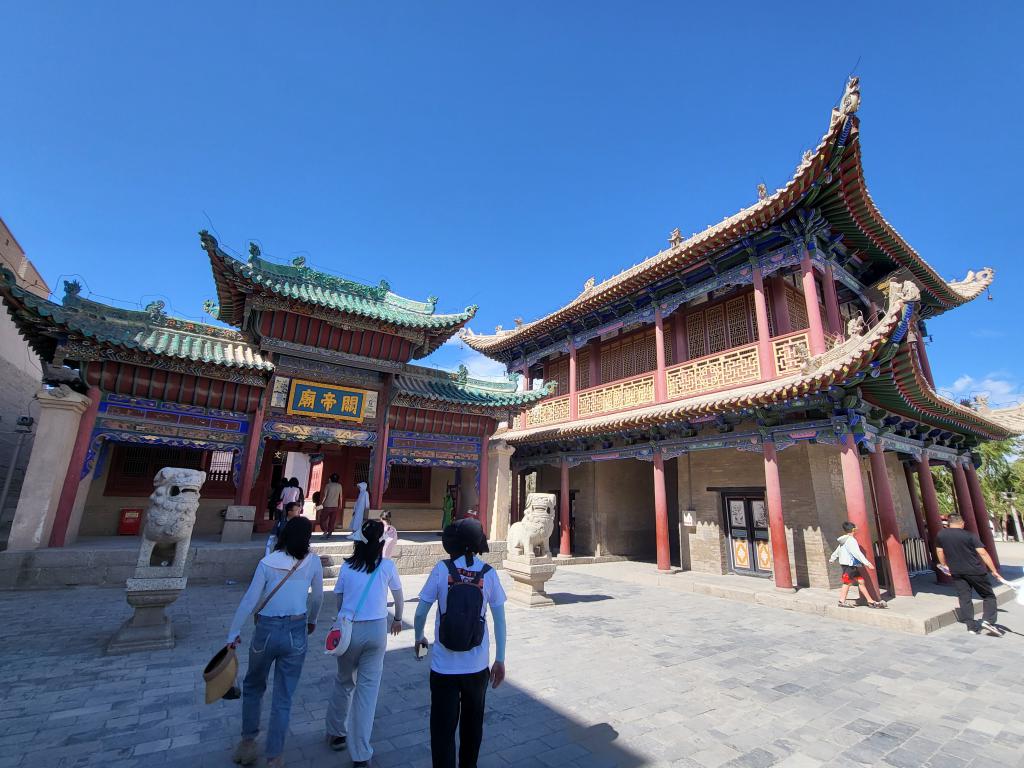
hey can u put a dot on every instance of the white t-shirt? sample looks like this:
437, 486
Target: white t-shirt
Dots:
351, 583
442, 660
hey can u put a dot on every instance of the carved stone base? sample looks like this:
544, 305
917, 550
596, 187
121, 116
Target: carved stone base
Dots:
149, 628
529, 575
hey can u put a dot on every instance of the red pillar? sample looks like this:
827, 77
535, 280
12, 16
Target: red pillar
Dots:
780, 306
856, 503
661, 513
483, 502
764, 344
679, 333
981, 513
835, 321
915, 502
660, 384
816, 332
380, 454
73, 476
574, 402
931, 511
963, 497
243, 494
565, 545
776, 522
890, 528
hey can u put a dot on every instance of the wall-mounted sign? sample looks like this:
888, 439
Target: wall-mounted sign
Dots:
310, 398
279, 395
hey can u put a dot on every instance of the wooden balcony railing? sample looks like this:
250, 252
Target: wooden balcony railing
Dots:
790, 351
549, 411
621, 395
737, 366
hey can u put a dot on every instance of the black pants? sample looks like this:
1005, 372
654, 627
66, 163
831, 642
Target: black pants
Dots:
457, 700
964, 583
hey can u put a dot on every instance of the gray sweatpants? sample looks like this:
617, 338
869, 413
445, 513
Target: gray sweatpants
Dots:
359, 670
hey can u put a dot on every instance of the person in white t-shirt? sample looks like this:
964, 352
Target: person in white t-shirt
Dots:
354, 698
459, 678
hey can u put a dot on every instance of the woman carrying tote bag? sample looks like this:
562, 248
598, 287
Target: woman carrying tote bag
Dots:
362, 590
285, 615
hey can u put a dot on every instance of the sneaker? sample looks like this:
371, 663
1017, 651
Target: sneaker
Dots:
246, 752
337, 743
991, 629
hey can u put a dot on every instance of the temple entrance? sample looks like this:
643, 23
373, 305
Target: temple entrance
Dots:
746, 520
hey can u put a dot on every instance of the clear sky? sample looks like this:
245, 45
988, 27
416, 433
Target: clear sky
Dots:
499, 153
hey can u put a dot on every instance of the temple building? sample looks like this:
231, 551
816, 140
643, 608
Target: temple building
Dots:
314, 377
725, 405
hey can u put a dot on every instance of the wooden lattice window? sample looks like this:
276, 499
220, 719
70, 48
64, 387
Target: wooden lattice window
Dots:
133, 467
695, 337
582, 369
558, 371
797, 309
738, 319
409, 484
717, 339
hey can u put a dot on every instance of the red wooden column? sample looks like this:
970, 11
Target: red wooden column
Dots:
764, 342
380, 463
483, 497
890, 528
931, 511
565, 545
243, 494
679, 333
817, 333
856, 503
73, 475
915, 502
574, 401
981, 513
780, 307
660, 384
835, 321
963, 497
776, 522
661, 513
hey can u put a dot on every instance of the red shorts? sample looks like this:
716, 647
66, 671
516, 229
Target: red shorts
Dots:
851, 573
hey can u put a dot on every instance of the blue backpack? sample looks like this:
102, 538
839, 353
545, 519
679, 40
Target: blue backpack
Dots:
463, 623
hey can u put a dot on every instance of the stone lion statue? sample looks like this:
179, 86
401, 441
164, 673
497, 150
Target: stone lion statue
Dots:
531, 534
171, 513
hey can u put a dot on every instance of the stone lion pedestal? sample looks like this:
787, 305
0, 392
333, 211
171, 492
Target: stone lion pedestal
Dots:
169, 521
529, 575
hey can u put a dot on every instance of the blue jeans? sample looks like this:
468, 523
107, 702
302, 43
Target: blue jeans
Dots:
281, 641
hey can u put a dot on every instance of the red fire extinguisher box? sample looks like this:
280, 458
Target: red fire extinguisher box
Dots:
130, 521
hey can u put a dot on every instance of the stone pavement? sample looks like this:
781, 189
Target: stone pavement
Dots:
616, 674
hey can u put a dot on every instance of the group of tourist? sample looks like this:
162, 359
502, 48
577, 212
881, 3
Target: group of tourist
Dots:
286, 595
329, 503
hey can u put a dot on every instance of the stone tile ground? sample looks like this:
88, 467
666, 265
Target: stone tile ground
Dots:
616, 674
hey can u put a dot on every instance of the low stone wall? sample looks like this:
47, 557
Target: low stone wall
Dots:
208, 564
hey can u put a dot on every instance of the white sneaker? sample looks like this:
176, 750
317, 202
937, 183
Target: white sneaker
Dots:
991, 629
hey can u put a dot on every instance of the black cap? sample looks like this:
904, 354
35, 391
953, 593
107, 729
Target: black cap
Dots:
466, 535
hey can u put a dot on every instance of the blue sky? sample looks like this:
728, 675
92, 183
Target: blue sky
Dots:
498, 154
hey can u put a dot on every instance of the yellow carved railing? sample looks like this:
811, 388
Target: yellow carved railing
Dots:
790, 352
630, 393
728, 369
548, 411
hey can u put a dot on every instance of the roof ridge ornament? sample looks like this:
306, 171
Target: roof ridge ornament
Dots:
851, 97
211, 308
72, 288
155, 310
762, 191
254, 251
676, 238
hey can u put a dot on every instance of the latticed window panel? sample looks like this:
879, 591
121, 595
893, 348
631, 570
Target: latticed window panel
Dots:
695, 334
738, 366
797, 308
628, 357
583, 369
715, 319
617, 397
790, 353
558, 371
737, 313
549, 411
769, 310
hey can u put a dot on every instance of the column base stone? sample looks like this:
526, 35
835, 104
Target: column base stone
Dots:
529, 575
149, 628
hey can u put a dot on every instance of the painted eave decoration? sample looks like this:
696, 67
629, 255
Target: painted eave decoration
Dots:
43, 323
831, 177
302, 285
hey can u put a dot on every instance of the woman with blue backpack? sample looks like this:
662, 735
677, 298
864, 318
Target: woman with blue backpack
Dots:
460, 670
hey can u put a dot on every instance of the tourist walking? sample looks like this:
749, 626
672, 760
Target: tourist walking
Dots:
853, 560
291, 492
291, 510
359, 510
362, 590
463, 587
963, 556
333, 498
286, 614
390, 534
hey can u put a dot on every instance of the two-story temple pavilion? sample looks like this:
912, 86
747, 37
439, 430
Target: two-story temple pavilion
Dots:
314, 378
771, 377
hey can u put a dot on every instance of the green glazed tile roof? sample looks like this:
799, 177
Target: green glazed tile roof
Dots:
300, 283
148, 330
459, 388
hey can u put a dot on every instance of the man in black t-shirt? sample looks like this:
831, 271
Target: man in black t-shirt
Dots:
963, 556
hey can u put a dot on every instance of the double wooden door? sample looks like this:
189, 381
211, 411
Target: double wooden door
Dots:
746, 520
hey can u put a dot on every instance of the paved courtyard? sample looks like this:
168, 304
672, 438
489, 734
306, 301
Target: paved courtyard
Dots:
616, 674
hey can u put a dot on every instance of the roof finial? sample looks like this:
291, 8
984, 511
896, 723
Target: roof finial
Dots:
254, 251
762, 191
675, 238
211, 308
589, 285
519, 322
851, 97
72, 288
